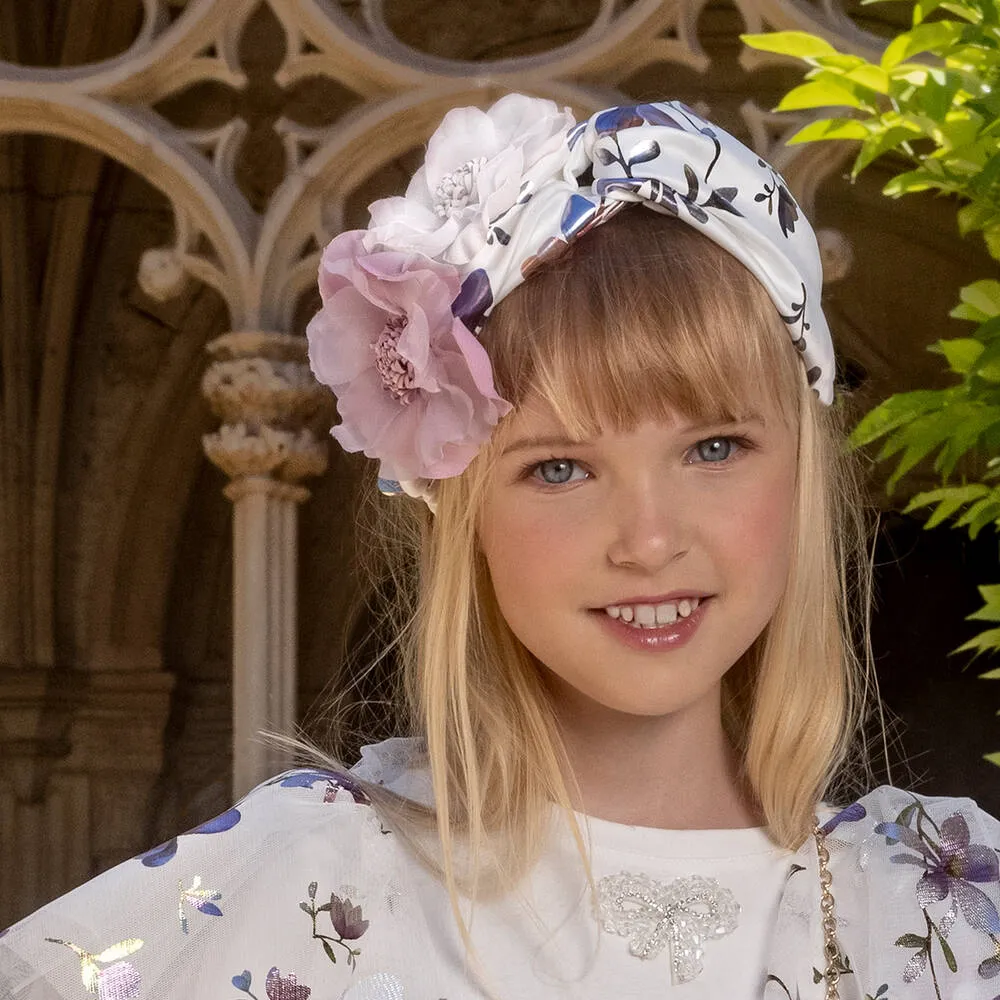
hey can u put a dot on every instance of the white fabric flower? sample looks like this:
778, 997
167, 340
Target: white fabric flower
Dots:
479, 165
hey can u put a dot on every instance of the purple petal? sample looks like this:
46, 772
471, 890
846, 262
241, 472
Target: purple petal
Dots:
954, 834
118, 982
281, 987
208, 907
933, 887
243, 980
977, 908
989, 968
977, 863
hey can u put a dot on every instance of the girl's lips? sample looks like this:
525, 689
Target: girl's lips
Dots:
659, 639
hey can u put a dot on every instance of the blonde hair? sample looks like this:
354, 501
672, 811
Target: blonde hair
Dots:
641, 318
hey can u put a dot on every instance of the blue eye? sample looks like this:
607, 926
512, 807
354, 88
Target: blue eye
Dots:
716, 449
555, 471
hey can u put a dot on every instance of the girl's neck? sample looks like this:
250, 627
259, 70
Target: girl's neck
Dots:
673, 772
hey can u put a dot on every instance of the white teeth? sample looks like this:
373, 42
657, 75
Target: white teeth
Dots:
666, 614
648, 616
645, 614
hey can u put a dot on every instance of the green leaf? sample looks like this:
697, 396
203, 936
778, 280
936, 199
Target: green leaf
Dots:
328, 948
799, 44
933, 37
878, 144
990, 611
923, 8
912, 941
839, 61
990, 675
985, 642
873, 77
820, 94
949, 499
983, 295
913, 180
991, 234
993, 758
949, 955
897, 410
975, 215
830, 128
961, 353
979, 514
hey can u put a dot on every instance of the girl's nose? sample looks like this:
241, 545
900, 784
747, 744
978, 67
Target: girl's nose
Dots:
648, 530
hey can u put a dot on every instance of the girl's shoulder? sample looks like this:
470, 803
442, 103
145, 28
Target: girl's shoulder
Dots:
303, 857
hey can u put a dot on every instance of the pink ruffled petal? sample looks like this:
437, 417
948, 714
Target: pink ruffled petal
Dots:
340, 337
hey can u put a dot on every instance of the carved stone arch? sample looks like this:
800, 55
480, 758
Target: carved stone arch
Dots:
161, 156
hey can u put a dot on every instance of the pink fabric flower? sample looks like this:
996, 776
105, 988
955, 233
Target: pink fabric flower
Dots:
414, 386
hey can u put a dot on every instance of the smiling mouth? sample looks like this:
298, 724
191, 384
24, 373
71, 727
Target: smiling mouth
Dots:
651, 616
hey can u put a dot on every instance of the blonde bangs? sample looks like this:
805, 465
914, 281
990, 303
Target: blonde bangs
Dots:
642, 319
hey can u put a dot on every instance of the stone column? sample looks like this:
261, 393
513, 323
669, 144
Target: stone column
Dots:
272, 436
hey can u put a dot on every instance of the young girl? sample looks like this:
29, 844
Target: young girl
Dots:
630, 577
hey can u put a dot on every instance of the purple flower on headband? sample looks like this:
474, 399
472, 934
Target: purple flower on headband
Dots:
414, 386
480, 165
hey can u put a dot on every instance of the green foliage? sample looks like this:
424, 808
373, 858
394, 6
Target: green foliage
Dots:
930, 108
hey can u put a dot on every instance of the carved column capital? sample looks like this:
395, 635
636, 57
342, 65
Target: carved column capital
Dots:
273, 411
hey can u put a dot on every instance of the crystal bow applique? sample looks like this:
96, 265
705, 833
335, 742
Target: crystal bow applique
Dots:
683, 913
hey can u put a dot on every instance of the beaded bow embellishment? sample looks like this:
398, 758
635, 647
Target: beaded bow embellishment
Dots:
683, 913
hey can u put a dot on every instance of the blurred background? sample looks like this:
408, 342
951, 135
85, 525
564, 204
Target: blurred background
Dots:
168, 173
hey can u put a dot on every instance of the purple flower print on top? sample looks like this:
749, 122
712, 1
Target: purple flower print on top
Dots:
276, 986
347, 921
950, 866
161, 854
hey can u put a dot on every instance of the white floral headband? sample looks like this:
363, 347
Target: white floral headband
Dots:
500, 192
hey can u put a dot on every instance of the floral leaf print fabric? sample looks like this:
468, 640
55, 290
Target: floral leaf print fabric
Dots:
203, 900
348, 924
106, 973
917, 887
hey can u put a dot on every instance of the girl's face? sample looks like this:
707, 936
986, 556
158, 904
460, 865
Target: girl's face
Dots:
681, 525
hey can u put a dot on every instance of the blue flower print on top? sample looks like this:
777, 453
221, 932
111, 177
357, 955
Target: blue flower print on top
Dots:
474, 300
854, 812
335, 780
161, 854
631, 116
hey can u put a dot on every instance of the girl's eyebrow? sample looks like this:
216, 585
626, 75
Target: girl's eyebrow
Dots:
551, 441
561, 441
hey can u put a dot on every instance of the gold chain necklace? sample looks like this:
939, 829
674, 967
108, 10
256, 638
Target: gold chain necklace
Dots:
831, 950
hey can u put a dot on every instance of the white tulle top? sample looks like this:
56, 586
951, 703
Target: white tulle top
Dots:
301, 892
